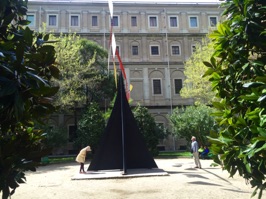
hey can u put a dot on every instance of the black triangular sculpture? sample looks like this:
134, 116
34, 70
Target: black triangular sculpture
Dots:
122, 145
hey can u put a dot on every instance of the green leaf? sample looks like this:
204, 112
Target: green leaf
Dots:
216, 76
54, 71
218, 105
241, 121
253, 84
208, 72
6, 69
20, 52
213, 61
251, 97
254, 192
208, 64
261, 148
8, 19
247, 165
262, 121
46, 37
215, 141
261, 79
257, 63
46, 49
28, 36
38, 78
24, 22
7, 86
262, 98
217, 114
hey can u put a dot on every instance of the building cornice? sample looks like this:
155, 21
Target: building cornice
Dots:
138, 2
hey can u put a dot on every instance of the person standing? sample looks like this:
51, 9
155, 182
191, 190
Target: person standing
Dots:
195, 152
81, 157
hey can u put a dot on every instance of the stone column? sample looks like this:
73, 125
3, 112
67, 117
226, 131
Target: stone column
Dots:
124, 22
184, 22
167, 83
146, 85
84, 21
125, 48
203, 22
144, 48
104, 22
142, 21
63, 21
186, 48
127, 70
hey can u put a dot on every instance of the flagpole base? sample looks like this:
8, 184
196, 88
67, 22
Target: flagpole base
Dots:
124, 173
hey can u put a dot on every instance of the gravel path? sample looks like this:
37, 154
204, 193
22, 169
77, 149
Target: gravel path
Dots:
183, 182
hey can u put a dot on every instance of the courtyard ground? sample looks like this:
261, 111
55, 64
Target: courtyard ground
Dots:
183, 182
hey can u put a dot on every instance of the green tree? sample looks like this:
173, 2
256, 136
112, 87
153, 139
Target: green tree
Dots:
149, 129
83, 78
90, 127
238, 74
55, 137
196, 85
26, 67
193, 121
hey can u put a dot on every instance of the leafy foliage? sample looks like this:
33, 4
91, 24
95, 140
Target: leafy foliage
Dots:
150, 130
55, 137
193, 121
26, 67
19, 152
237, 71
197, 86
83, 78
90, 127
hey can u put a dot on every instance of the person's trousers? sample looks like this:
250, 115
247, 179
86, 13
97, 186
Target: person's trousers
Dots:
81, 167
196, 159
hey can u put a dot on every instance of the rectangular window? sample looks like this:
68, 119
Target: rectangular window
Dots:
178, 85
153, 21
173, 22
157, 87
31, 18
154, 50
193, 48
213, 21
115, 21
118, 50
133, 21
175, 50
74, 20
52, 20
193, 22
135, 50
94, 21
72, 133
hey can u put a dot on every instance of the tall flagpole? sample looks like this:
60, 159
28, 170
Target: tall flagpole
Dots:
112, 45
122, 127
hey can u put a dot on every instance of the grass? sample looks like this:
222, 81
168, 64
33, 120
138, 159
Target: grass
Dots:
162, 154
60, 160
55, 160
174, 154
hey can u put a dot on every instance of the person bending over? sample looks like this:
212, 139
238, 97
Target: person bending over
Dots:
81, 157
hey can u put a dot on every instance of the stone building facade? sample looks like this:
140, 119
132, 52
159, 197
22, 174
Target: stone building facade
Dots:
154, 40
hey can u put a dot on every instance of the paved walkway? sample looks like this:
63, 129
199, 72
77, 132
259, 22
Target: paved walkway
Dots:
182, 182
